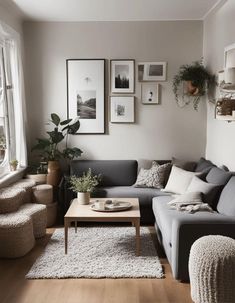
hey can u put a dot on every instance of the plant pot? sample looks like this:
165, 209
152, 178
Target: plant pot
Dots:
13, 167
54, 173
83, 198
191, 89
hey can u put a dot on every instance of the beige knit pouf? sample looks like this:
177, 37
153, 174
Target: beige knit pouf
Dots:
43, 194
51, 214
212, 270
10, 199
16, 235
38, 214
27, 185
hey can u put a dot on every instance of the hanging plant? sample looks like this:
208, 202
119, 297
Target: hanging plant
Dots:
195, 80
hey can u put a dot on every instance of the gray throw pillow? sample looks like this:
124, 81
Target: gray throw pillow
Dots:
186, 165
153, 177
142, 178
209, 191
204, 165
218, 176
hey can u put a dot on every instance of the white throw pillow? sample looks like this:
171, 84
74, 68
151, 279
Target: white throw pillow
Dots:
187, 198
179, 180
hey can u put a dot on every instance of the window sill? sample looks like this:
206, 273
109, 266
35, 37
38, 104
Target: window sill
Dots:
12, 177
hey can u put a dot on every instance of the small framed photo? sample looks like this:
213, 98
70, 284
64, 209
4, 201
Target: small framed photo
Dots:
122, 74
152, 71
122, 109
150, 93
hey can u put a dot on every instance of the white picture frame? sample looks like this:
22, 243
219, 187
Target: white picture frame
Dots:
122, 109
152, 71
86, 94
122, 76
150, 93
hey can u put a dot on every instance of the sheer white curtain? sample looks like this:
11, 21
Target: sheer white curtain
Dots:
15, 94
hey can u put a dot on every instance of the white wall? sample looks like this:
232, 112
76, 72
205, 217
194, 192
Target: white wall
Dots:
10, 17
218, 33
160, 131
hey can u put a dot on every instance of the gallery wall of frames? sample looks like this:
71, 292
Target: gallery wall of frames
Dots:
86, 90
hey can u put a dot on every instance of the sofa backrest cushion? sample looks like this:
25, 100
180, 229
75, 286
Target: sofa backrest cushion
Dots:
218, 176
113, 172
226, 204
204, 165
186, 165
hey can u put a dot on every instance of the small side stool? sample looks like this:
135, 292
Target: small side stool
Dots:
212, 270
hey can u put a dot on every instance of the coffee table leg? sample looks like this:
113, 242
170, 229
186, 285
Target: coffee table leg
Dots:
66, 227
76, 226
137, 228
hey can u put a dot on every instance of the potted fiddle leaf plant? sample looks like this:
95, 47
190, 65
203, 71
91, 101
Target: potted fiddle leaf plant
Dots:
51, 149
196, 80
84, 185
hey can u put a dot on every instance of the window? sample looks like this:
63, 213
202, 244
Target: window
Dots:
12, 126
4, 146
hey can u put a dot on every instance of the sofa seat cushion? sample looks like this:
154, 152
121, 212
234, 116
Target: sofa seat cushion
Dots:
145, 195
164, 216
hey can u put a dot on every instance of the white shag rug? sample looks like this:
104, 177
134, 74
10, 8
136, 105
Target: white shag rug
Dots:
98, 252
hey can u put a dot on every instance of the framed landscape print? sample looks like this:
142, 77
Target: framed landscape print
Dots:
122, 109
85, 94
122, 74
150, 93
152, 71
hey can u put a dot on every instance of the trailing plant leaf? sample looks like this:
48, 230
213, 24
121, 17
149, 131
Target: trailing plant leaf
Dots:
201, 79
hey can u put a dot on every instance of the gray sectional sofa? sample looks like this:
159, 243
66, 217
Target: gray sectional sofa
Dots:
176, 230
118, 177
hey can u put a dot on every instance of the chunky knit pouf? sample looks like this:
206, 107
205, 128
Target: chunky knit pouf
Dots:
10, 199
43, 194
38, 214
27, 186
212, 270
16, 235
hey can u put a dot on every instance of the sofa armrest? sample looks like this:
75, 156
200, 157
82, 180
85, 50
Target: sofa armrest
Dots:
185, 232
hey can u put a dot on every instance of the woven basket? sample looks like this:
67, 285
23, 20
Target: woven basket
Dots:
51, 214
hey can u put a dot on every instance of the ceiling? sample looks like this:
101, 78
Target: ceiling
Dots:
113, 10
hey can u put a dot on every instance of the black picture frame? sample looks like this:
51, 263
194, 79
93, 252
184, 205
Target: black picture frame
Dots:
101, 123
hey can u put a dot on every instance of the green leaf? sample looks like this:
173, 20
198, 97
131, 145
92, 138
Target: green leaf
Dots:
72, 129
71, 153
66, 122
42, 144
56, 136
55, 119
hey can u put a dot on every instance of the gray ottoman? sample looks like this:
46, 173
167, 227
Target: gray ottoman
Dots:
212, 270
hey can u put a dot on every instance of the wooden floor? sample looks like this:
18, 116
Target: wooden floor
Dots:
14, 288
